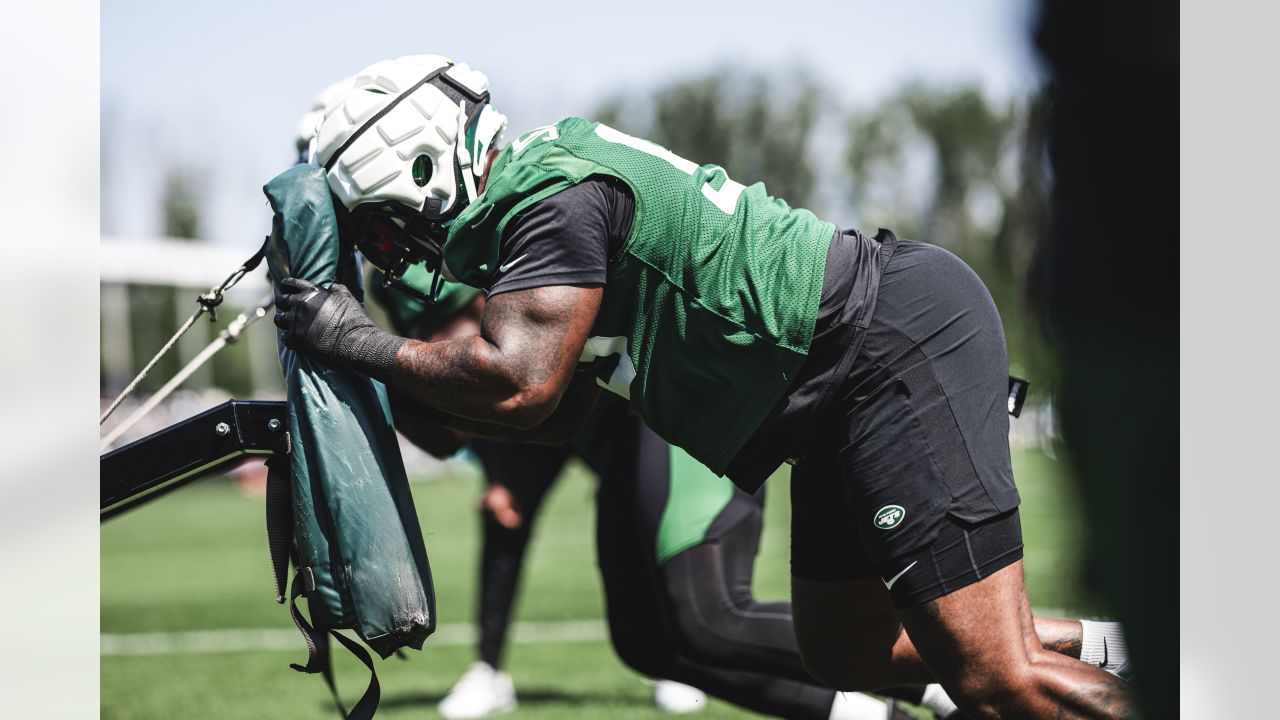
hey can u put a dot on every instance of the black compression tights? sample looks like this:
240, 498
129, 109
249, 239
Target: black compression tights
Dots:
718, 620
528, 474
644, 624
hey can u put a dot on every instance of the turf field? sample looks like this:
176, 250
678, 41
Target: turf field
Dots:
191, 630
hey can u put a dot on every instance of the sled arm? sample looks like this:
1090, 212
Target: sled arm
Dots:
214, 441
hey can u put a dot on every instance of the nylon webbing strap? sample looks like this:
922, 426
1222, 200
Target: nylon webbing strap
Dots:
230, 334
304, 583
318, 656
367, 705
279, 521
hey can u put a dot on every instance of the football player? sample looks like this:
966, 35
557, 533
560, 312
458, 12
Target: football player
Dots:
676, 545
739, 329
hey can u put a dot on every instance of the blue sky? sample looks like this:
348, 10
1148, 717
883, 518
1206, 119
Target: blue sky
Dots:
219, 86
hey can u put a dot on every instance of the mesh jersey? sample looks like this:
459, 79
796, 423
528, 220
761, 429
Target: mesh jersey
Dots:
709, 306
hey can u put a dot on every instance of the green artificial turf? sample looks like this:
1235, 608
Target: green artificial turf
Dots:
196, 560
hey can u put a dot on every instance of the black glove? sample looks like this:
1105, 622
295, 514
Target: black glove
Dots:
331, 325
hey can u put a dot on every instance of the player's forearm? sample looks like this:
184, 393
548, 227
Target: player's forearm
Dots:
442, 434
470, 378
512, 373
515, 371
539, 434
570, 415
429, 427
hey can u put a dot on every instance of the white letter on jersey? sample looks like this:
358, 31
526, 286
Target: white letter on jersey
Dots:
726, 198
620, 381
523, 141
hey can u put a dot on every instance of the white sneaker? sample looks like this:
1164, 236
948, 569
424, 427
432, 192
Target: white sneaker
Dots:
856, 706
479, 693
680, 699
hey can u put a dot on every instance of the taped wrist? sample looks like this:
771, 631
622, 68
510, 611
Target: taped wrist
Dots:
373, 352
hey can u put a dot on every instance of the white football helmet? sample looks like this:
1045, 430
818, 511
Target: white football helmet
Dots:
309, 123
403, 145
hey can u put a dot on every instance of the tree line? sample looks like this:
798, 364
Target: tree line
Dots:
944, 165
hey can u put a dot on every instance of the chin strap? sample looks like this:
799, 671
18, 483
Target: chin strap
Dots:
437, 283
489, 128
469, 168
464, 157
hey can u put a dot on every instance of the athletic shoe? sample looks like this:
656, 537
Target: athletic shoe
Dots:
859, 706
680, 699
481, 692
937, 701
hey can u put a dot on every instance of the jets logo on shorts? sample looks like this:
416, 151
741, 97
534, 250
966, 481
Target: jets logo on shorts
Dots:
889, 517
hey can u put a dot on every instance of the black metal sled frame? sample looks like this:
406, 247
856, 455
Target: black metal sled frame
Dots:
214, 441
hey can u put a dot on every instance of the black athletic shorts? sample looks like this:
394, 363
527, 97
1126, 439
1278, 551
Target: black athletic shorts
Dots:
911, 479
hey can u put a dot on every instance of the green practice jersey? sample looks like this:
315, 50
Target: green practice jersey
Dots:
709, 306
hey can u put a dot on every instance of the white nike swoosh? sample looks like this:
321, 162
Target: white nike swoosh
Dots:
888, 584
507, 266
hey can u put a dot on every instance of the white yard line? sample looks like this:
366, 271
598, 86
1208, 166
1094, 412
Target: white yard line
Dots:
250, 639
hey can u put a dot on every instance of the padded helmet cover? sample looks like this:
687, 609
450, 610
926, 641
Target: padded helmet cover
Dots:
396, 111
310, 120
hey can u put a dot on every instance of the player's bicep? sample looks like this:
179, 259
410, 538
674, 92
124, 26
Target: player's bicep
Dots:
538, 334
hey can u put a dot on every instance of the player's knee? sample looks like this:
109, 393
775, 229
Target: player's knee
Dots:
991, 693
700, 634
697, 609
644, 657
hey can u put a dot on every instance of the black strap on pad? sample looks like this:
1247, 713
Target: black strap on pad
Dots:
319, 659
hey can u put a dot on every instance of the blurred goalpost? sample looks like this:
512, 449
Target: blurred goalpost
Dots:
188, 268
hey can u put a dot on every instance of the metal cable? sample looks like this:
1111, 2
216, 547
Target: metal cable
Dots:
209, 303
163, 351
226, 337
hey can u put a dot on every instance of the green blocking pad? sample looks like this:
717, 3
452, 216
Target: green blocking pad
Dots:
361, 561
